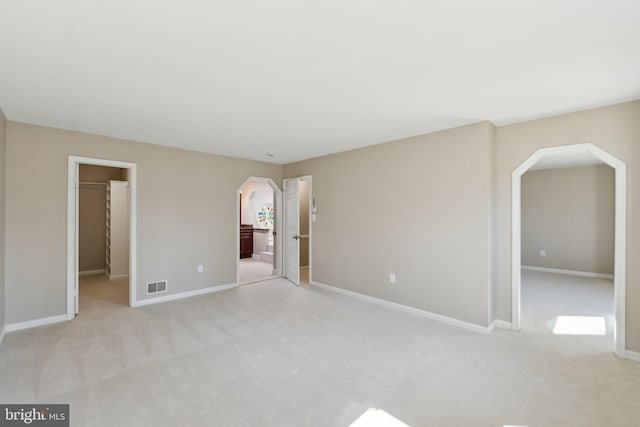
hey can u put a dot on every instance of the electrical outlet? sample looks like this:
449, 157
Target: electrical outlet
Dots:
392, 278
543, 252
200, 268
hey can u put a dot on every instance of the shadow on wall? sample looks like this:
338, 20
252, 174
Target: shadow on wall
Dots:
568, 218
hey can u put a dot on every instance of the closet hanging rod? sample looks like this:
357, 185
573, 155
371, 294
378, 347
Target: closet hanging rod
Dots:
93, 183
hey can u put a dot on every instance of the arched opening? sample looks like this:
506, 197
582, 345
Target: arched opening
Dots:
259, 243
565, 154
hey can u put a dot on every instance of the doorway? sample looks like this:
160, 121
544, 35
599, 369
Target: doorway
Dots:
299, 214
103, 236
567, 254
571, 155
258, 254
101, 227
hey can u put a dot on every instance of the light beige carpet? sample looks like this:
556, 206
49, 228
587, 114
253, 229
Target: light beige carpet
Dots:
253, 270
273, 354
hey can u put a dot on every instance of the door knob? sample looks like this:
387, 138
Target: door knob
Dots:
296, 237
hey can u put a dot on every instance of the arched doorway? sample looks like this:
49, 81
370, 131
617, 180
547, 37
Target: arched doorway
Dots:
271, 235
569, 151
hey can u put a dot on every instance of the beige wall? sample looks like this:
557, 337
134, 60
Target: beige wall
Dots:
3, 164
95, 173
615, 129
419, 208
569, 212
186, 214
492, 260
92, 215
303, 192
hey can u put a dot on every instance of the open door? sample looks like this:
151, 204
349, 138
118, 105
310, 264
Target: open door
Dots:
292, 230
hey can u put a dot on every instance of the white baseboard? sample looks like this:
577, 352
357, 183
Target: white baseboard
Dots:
35, 323
502, 324
632, 355
3, 332
91, 272
118, 276
486, 330
181, 295
569, 272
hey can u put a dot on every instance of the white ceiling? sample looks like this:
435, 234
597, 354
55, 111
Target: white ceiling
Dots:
302, 79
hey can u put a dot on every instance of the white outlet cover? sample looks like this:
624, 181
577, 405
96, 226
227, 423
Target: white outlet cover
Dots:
543, 252
200, 268
392, 278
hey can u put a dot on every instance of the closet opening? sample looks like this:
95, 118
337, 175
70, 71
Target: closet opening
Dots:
101, 235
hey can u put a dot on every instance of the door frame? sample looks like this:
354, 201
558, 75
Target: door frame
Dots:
620, 169
277, 204
311, 221
73, 189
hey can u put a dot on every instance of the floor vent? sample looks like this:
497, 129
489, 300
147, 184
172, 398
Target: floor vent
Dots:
155, 287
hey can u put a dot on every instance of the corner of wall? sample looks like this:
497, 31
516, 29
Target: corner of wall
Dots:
493, 253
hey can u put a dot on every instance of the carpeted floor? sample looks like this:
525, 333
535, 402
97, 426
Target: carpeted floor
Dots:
253, 270
273, 354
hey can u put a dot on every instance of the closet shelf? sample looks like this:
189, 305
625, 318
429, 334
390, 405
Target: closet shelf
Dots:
117, 229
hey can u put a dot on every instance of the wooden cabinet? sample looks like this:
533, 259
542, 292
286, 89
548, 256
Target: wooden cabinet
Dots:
117, 242
246, 241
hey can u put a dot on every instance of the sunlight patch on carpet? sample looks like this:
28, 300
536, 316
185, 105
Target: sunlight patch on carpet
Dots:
580, 325
374, 417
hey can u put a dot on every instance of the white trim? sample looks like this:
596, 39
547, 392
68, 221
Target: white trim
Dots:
485, 330
3, 332
568, 272
91, 272
72, 226
71, 237
12, 327
619, 334
633, 355
500, 324
186, 294
118, 276
253, 282
277, 203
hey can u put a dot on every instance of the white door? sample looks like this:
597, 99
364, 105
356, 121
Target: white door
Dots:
292, 230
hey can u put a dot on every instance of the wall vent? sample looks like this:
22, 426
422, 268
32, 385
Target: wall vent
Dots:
155, 287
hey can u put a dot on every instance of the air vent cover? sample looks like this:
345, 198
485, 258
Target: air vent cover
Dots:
155, 287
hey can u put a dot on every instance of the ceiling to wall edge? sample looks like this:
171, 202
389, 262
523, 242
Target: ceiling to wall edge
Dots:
547, 162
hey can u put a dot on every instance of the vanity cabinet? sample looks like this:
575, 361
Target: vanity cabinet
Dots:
246, 241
